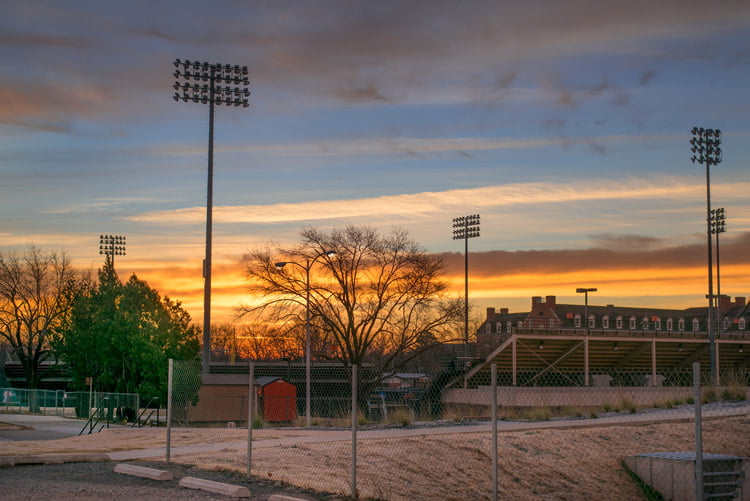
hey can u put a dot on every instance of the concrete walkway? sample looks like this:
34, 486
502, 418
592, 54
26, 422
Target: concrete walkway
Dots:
36, 427
299, 436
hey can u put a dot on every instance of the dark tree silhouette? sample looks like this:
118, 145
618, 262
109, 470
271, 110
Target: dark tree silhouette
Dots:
34, 299
380, 298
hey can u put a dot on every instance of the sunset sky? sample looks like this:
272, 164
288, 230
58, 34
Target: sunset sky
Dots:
565, 125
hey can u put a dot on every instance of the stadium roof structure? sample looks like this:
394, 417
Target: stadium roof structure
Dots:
529, 357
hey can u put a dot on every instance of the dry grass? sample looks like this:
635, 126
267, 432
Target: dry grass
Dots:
568, 464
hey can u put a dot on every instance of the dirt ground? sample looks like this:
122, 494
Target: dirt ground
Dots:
96, 481
559, 464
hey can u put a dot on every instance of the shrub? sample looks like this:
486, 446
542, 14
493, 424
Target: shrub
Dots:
400, 416
629, 405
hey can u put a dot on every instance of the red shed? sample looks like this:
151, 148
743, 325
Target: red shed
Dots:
277, 399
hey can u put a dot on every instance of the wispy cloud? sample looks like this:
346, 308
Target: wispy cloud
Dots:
404, 145
444, 202
114, 202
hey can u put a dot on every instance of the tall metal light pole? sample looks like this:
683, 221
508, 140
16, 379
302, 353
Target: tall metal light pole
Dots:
585, 291
464, 228
705, 145
308, 357
207, 89
111, 246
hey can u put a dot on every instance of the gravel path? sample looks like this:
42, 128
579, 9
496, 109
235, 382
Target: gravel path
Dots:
99, 481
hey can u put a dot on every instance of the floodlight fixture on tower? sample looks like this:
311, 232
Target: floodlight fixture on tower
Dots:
214, 84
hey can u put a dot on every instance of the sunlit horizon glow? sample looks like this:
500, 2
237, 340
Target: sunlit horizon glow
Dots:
566, 126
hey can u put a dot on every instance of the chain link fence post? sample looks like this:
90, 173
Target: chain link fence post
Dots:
354, 431
170, 375
493, 385
250, 415
698, 431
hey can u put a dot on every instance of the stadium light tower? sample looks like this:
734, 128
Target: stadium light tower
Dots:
464, 228
111, 246
718, 225
705, 145
210, 83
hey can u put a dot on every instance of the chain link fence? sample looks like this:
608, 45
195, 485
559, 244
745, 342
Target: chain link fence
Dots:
73, 404
465, 433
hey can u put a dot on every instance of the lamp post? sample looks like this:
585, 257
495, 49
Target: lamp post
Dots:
111, 246
207, 89
705, 146
464, 228
585, 291
308, 358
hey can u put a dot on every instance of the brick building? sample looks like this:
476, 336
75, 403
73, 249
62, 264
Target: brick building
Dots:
547, 314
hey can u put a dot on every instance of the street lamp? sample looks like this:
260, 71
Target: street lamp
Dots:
585, 291
202, 83
308, 264
705, 146
464, 228
111, 246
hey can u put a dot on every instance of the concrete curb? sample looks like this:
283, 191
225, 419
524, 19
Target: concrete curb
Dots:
235, 491
53, 458
281, 497
142, 471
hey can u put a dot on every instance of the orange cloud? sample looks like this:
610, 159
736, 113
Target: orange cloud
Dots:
669, 276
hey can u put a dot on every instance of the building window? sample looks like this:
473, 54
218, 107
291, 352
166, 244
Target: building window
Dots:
592, 321
681, 324
670, 324
488, 328
509, 327
696, 325
577, 320
632, 323
520, 324
657, 324
551, 323
605, 322
741, 324
725, 324
644, 323
618, 322
499, 327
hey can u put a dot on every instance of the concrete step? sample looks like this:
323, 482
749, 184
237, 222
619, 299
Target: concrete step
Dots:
235, 491
143, 472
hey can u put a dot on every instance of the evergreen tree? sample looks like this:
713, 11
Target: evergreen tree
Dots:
122, 335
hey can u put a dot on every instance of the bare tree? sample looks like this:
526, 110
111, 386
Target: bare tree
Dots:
378, 295
35, 292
